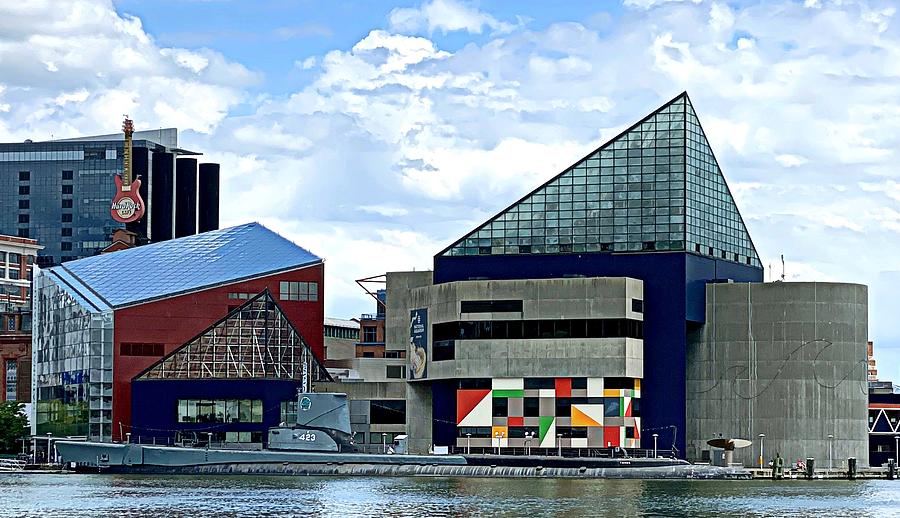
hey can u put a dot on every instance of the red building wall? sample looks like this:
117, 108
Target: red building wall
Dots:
176, 320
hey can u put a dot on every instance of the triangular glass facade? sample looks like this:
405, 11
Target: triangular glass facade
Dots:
255, 340
655, 187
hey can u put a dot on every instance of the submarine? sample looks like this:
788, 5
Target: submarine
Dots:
321, 443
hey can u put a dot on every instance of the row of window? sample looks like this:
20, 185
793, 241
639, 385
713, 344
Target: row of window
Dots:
341, 332
612, 383
386, 438
563, 406
533, 329
304, 291
25, 176
519, 432
25, 190
220, 411
141, 349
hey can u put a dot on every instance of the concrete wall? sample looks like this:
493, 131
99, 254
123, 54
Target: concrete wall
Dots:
397, 306
784, 359
576, 298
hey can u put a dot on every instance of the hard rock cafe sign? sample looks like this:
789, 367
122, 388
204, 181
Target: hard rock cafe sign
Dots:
127, 205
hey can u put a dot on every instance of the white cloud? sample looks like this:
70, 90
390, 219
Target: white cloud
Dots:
788, 160
647, 4
307, 63
72, 68
446, 16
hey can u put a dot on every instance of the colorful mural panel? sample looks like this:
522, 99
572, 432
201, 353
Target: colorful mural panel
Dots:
549, 412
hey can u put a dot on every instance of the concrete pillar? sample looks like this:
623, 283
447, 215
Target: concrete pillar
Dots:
418, 417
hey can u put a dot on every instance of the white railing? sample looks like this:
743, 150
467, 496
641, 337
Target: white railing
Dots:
12, 465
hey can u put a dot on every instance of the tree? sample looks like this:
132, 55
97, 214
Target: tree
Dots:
13, 425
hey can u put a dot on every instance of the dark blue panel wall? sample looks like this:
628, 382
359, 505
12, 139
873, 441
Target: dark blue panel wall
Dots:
154, 405
673, 287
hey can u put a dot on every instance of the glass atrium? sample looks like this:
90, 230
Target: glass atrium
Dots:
655, 187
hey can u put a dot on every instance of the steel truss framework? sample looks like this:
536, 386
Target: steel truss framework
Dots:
886, 420
254, 341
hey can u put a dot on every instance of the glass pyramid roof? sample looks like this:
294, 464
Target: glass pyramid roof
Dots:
255, 340
187, 264
655, 187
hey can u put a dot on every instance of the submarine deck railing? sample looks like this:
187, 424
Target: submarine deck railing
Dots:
611, 452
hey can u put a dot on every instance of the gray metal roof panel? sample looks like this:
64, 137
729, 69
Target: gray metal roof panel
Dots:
188, 264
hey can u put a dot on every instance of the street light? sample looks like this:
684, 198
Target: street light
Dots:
654, 446
468, 444
528, 437
497, 436
559, 443
48, 446
383, 443
830, 451
762, 442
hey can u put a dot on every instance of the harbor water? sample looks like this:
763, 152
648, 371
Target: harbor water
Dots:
71, 495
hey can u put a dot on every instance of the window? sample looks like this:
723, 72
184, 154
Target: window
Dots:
140, 349
219, 411
66, 246
443, 350
370, 334
23, 218
23, 232
304, 291
289, 412
24, 204
491, 306
24, 190
24, 176
359, 438
241, 296
67, 189
66, 231
530, 329
388, 411
67, 175
379, 438
67, 204
637, 305
395, 371
11, 379
66, 218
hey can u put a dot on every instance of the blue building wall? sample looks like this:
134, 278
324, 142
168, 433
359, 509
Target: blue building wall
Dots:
674, 293
155, 403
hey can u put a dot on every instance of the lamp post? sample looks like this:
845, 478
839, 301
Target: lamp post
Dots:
559, 443
49, 453
497, 437
468, 444
762, 442
655, 436
830, 452
528, 437
383, 443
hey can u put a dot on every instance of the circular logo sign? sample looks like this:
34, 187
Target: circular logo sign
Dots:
125, 207
305, 403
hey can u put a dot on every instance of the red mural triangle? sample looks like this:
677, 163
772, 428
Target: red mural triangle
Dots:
467, 400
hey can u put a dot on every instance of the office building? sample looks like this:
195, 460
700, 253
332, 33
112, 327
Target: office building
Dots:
59, 192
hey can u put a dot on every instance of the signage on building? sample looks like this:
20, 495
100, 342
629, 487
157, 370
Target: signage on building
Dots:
418, 343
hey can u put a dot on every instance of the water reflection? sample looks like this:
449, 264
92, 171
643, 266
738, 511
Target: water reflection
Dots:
99, 495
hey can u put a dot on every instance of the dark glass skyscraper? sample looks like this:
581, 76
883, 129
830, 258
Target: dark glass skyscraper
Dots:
59, 192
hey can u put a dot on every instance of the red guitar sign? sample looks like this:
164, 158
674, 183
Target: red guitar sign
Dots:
127, 205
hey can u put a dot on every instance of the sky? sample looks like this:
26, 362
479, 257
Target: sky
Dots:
374, 134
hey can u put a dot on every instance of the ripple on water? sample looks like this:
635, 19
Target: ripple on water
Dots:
137, 495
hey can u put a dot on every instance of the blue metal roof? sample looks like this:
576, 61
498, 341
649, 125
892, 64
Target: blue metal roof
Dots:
188, 264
